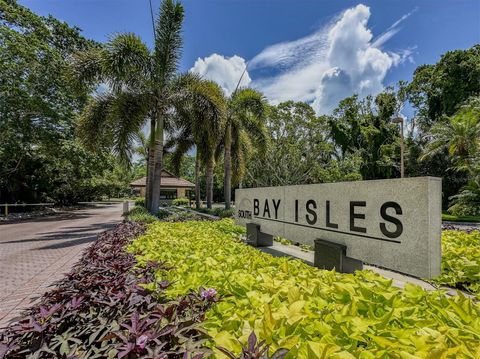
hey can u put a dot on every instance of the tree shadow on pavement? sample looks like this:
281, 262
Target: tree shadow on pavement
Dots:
67, 237
75, 237
48, 218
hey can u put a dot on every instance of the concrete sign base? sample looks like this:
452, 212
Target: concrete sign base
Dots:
256, 238
329, 255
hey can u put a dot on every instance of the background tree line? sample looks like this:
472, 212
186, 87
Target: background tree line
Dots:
41, 159
63, 139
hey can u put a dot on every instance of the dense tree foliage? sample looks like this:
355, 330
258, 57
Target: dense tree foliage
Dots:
299, 150
439, 94
459, 136
440, 89
40, 160
365, 128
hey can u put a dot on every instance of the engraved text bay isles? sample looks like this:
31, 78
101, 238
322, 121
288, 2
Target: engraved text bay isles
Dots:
392, 223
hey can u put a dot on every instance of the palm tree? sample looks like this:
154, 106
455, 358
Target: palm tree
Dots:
460, 136
143, 85
201, 126
245, 128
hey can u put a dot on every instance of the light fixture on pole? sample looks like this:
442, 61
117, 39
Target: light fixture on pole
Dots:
400, 121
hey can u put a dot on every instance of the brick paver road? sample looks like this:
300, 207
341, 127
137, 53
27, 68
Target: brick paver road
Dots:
37, 252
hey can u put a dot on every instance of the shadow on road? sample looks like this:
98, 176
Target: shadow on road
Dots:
80, 213
69, 236
75, 237
48, 218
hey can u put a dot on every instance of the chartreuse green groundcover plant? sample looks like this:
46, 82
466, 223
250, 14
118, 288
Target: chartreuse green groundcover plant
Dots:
313, 313
461, 260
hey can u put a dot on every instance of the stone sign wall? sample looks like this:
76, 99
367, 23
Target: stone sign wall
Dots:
393, 223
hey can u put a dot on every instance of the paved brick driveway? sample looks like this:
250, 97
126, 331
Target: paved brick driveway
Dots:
36, 253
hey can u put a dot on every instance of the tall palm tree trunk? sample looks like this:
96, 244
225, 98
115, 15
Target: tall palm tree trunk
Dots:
150, 165
197, 181
150, 171
147, 181
209, 180
157, 173
227, 181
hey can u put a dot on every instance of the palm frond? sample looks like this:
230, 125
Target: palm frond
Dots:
200, 108
242, 150
181, 145
248, 101
142, 144
87, 65
168, 43
94, 128
128, 112
209, 106
458, 134
126, 61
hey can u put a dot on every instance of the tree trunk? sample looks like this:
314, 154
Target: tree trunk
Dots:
197, 181
209, 179
150, 165
149, 180
227, 180
157, 173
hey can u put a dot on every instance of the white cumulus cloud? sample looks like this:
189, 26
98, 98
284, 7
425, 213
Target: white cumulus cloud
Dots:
226, 71
355, 65
340, 59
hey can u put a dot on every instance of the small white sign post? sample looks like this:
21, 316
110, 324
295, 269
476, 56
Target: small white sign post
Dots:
394, 223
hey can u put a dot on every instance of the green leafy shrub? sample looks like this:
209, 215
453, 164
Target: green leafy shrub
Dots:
467, 202
461, 260
225, 213
313, 313
140, 214
180, 201
255, 350
163, 213
219, 212
140, 201
181, 216
462, 209
204, 210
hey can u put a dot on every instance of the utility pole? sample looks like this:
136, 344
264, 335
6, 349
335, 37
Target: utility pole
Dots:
153, 20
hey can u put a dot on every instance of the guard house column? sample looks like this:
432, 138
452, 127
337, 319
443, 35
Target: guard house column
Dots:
181, 193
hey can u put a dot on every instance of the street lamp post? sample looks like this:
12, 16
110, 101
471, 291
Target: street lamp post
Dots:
400, 121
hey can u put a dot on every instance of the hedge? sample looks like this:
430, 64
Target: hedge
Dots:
182, 201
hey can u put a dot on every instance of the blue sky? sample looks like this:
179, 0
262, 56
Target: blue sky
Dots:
314, 51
